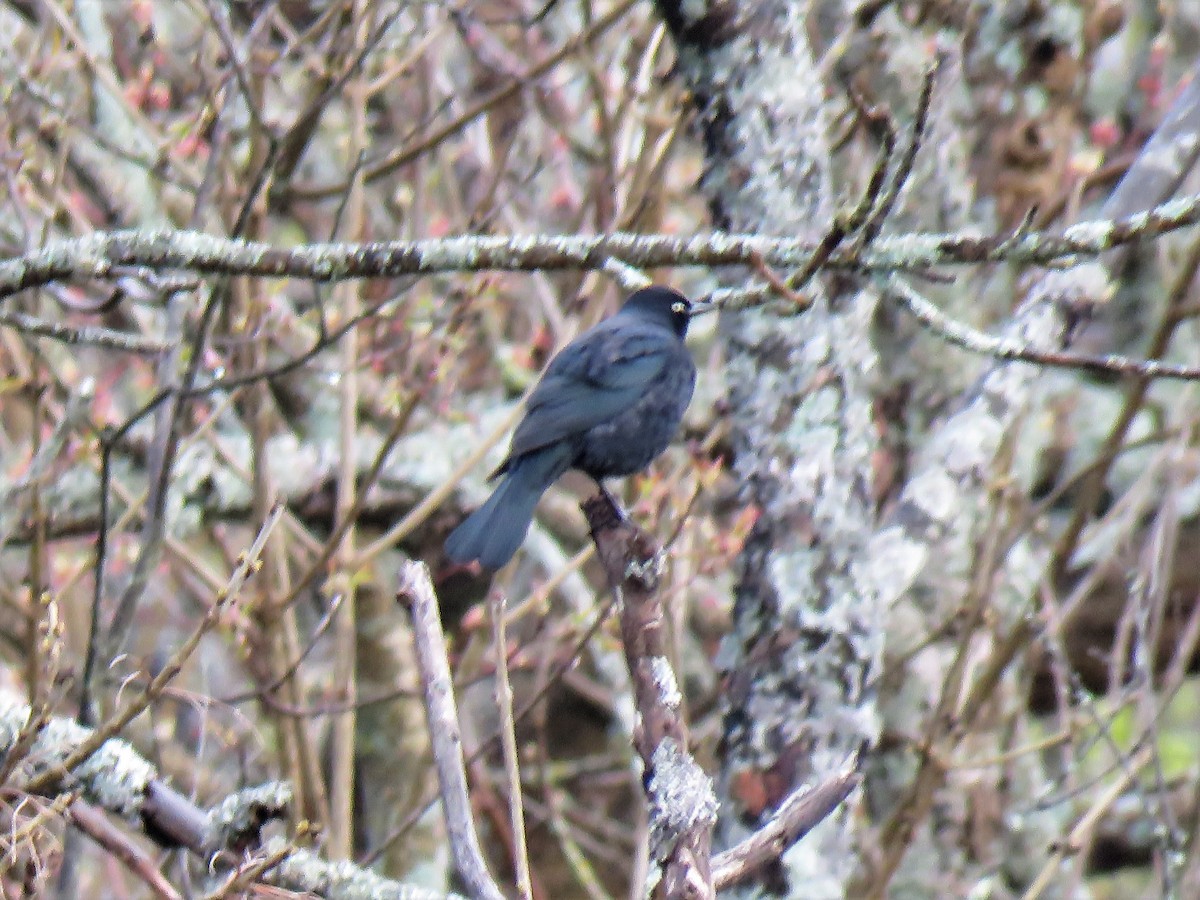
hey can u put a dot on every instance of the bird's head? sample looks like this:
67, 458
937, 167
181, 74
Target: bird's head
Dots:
661, 304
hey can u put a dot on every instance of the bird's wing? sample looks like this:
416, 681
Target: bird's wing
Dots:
585, 388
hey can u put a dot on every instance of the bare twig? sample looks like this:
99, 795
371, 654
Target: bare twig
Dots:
407, 154
1009, 349
508, 743
250, 871
487, 745
1135, 395
86, 335
48, 635
96, 825
796, 816
173, 372
1086, 825
903, 170
132, 707
416, 592
42, 465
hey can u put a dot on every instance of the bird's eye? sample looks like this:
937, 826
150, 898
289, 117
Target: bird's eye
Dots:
679, 307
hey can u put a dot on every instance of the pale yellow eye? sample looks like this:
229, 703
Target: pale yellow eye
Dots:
679, 307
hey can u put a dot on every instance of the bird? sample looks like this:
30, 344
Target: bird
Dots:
607, 404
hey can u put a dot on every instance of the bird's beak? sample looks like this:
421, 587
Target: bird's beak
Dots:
702, 307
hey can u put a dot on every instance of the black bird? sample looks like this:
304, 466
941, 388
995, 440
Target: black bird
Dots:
607, 404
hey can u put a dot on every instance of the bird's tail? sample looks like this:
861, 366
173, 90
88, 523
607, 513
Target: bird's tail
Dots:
493, 532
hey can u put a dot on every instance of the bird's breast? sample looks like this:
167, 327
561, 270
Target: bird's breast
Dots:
629, 442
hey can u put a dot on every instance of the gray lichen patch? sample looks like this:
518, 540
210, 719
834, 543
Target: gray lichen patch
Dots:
114, 777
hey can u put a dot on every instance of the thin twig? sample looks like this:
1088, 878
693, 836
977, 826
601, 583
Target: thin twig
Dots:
1007, 349
248, 564
410, 153
797, 815
1086, 824
96, 825
83, 335
508, 744
844, 225
1088, 495
903, 170
417, 594
249, 872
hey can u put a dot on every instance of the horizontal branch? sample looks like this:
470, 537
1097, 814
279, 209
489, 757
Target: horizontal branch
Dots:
84, 336
99, 255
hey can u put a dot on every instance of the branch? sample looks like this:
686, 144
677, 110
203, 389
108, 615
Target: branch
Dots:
82, 753
416, 592
796, 816
96, 825
508, 747
117, 779
1092, 287
683, 806
84, 336
414, 150
99, 255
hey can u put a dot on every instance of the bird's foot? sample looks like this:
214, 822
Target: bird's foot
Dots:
614, 504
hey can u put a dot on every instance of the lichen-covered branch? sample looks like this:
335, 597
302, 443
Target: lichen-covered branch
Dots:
108, 254
683, 806
1092, 290
117, 779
